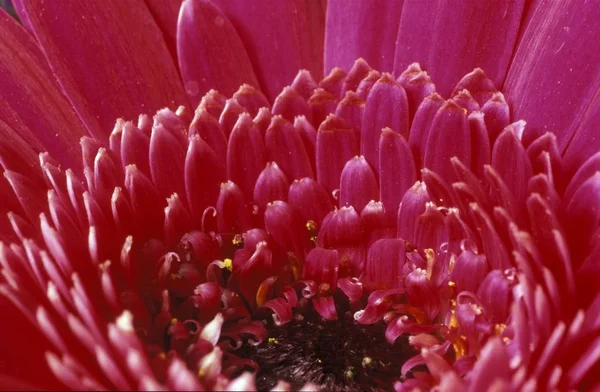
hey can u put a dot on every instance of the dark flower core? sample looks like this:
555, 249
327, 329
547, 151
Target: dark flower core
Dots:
340, 355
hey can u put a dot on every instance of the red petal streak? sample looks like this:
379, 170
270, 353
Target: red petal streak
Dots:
106, 68
232, 214
210, 52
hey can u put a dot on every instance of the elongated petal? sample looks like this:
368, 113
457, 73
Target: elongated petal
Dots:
449, 137
210, 52
441, 43
358, 184
31, 102
245, 155
102, 77
396, 169
298, 26
284, 146
560, 45
334, 134
386, 106
365, 29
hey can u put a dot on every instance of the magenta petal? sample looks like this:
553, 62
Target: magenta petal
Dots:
492, 366
310, 199
290, 104
421, 126
558, 50
284, 145
440, 34
325, 306
208, 128
167, 157
397, 171
294, 26
386, 106
351, 109
449, 137
210, 52
364, 29
287, 229
203, 173
342, 230
232, 213
417, 85
385, 261
469, 271
496, 115
245, 155
334, 135
43, 117
165, 13
104, 69
413, 205
322, 267
358, 184
585, 141
511, 161
271, 185
377, 305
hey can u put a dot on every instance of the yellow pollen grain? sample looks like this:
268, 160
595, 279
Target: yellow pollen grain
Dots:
162, 356
499, 329
367, 361
451, 284
228, 263
273, 340
311, 225
238, 241
319, 361
174, 321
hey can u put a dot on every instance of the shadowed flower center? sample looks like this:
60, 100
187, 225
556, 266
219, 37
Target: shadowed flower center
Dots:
340, 355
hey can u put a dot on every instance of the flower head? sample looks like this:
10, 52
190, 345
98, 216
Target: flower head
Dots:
373, 228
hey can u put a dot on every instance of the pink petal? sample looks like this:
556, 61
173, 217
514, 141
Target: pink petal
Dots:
165, 13
210, 52
358, 184
95, 52
310, 199
364, 29
396, 169
334, 135
558, 50
385, 261
284, 145
31, 102
450, 39
295, 26
271, 185
386, 106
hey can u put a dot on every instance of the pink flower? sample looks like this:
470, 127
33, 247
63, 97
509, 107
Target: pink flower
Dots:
423, 215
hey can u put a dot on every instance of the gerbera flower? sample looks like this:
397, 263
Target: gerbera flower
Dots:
422, 215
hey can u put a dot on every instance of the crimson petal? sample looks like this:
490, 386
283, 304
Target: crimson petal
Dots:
78, 41
210, 52
296, 25
442, 45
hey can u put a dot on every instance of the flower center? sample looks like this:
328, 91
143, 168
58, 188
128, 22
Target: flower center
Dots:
340, 355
